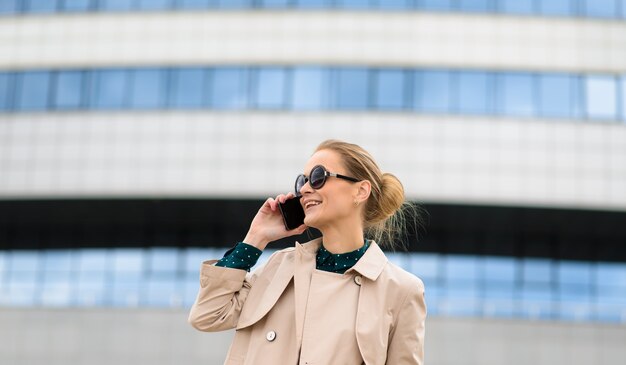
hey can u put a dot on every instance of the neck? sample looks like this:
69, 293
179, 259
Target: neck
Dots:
340, 239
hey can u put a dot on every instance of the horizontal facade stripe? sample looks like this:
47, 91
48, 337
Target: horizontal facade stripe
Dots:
400, 39
589, 97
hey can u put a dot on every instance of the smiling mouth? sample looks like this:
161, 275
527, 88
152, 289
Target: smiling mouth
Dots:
311, 205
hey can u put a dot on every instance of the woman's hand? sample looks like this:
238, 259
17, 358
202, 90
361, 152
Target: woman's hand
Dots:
268, 226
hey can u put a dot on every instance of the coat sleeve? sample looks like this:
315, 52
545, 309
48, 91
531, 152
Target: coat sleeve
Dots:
406, 345
221, 296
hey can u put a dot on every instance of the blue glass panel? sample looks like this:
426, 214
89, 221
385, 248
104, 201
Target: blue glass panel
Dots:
622, 93
556, 96
115, 4
188, 88
575, 273
234, 4
57, 261
475, 92
190, 290
68, 91
394, 4
24, 261
22, 288
499, 270
163, 260
163, 292
313, 4
461, 300
154, 4
435, 4
3, 261
516, 6
40, 6
611, 275
353, 4
274, 3
194, 4
433, 92
109, 89
516, 94
310, 87
91, 289
601, 97
270, 88
5, 90
148, 88
537, 301
193, 258
498, 300
125, 293
623, 9
556, 7
600, 8
229, 88
425, 266
56, 289
9, 6
128, 260
33, 90
390, 89
538, 271
476, 5
461, 269
93, 260
76, 5
352, 88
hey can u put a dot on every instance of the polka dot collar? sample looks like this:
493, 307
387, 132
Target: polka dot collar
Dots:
338, 263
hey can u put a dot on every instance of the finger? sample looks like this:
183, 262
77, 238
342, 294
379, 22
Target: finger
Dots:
281, 198
272, 203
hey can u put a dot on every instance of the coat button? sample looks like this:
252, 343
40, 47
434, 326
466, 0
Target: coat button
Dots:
357, 280
270, 336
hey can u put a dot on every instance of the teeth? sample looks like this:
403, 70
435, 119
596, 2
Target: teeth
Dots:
311, 204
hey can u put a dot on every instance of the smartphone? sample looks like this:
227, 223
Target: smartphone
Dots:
292, 212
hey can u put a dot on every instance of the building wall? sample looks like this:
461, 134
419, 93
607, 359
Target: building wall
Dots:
158, 337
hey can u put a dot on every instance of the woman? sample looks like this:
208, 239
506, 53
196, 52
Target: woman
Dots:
333, 300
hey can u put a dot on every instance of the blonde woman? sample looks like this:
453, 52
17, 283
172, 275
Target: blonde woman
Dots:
333, 300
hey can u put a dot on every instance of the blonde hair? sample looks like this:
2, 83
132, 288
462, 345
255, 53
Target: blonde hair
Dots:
387, 214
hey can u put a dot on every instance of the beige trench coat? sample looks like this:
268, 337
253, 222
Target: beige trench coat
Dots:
269, 302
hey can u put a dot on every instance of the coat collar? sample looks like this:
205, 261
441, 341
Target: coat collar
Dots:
370, 265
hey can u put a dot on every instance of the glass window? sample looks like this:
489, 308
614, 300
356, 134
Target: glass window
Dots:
76, 5
394, 4
57, 260
432, 91
93, 260
578, 273
390, 89
600, 8
193, 258
622, 93
194, 4
274, 3
476, 5
601, 97
516, 94
461, 269
109, 89
154, 4
499, 270
310, 89
610, 274
435, 4
353, 4
40, 6
163, 292
229, 88
163, 260
33, 90
516, 6
9, 6
115, 4
475, 92
556, 7
537, 271
556, 96
352, 88
91, 288
148, 88
128, 260
68, 90
188, 87
5, 90
270, 88
314, 4
425, 266
234, 4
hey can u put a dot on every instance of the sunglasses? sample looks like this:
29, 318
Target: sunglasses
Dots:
317, 178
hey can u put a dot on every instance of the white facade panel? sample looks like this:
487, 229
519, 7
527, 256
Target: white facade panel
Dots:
320, 37
438, 158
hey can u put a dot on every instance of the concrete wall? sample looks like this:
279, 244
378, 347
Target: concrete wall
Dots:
155, 337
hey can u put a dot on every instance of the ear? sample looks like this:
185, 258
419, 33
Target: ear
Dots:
364, 188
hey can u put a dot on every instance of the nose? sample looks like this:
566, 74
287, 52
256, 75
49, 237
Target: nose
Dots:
305, 188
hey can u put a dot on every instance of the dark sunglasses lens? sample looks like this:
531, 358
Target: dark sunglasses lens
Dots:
318, 176
300, 181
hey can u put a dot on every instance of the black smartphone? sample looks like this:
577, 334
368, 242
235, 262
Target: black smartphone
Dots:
292, 212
